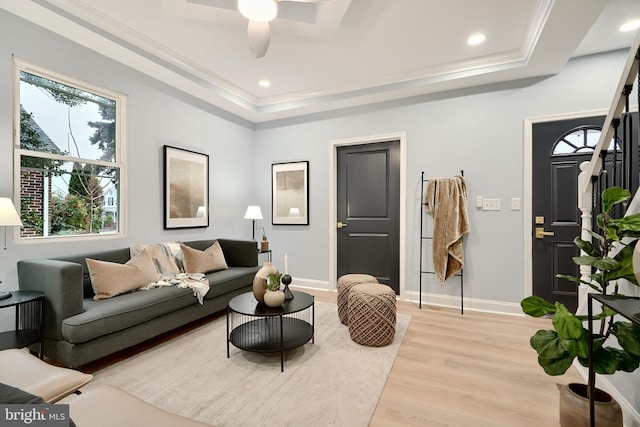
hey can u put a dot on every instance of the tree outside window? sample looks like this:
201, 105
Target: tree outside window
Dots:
69, 168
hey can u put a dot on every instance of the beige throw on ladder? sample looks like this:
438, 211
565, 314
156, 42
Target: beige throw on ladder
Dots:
446, 200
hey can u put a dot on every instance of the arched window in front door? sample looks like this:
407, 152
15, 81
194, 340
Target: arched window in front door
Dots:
581, 140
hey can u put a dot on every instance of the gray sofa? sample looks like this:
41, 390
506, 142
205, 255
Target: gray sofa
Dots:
79, 330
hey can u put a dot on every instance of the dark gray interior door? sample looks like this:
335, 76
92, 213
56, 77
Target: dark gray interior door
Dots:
558, 149
554, 206
368, 193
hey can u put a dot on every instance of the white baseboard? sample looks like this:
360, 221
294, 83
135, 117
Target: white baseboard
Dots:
630, 414
301, 282
472, 304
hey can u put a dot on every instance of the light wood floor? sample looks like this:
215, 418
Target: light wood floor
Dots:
475, 369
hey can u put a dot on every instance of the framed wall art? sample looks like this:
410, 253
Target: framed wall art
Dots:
290, 193
186, 188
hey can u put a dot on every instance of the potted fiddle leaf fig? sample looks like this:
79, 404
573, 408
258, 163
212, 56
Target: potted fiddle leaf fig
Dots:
611, 255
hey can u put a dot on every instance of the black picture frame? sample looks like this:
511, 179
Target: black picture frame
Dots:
290, 193
186, 188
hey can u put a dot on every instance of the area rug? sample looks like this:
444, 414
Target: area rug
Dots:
332, 382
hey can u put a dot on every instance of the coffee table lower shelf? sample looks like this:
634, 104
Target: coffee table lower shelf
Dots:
263, 335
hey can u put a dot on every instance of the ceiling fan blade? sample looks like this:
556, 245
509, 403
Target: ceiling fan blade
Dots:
259, 36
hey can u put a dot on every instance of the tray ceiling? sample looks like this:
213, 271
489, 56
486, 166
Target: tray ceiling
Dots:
331, 54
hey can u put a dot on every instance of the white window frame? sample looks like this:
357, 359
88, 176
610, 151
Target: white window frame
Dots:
119, 156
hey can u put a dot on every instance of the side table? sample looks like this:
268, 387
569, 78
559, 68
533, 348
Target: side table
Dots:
29, 327
267, 254
627, 307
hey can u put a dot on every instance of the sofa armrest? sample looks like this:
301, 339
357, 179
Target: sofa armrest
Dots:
240, 253
61, 282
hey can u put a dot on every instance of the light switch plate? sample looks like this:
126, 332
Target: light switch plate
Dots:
515, 204
491, 204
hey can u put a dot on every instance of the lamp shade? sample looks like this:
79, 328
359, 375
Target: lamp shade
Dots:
8, 213
253, 212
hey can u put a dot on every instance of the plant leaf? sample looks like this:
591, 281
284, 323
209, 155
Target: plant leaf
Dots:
596, 236
555, 366
612, 234
547, 344
586, 247
625, 361
567, 325
606, 264
577, 347
554, 359
612, 196
586, 260
599, 263
605, 361
536, 307
573, 279
628, 223
628, 337
625, 259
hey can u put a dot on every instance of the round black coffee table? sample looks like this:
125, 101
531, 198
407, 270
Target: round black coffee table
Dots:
254, 326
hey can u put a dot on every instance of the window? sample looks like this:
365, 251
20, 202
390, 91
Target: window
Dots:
68, 148
582, 140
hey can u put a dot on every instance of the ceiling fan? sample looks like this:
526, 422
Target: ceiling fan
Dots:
260, 13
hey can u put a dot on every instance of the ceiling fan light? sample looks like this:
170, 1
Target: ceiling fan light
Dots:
259, 36
258, 10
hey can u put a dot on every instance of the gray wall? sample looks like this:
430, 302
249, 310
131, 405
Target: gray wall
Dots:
156, 116
479, 130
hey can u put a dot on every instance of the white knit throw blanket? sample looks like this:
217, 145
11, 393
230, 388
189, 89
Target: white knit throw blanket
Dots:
197, 282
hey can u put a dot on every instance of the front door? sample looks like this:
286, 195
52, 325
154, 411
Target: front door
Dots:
368, 193
558, 149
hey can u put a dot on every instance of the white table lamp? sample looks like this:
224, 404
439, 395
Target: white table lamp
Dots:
8, 217
253, 212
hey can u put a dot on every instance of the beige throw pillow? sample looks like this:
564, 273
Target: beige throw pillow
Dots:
207, 261
110, 278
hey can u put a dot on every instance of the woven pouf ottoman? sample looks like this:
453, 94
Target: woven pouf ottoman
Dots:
372, 314
345, 283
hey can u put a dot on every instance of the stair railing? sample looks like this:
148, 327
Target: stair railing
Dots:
593, 179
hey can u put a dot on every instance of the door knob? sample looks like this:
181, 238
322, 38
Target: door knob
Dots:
540, 233
342, 224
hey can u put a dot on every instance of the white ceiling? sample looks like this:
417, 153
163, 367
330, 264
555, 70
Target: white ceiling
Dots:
331, 54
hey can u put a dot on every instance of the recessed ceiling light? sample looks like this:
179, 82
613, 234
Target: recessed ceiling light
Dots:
630, 26
476, 39
264, 83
